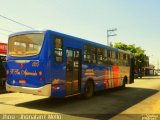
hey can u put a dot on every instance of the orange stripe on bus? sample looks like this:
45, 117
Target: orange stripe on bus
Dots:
106, 78
115, 75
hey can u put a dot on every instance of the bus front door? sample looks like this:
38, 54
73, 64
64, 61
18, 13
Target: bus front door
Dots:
73, 70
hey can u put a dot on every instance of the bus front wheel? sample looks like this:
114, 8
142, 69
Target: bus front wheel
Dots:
89, 89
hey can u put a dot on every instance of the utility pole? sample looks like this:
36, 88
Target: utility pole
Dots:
109, 34
158, 64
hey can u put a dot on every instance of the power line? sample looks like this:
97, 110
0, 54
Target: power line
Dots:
6, 30
15, 21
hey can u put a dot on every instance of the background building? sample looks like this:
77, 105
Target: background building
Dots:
148, 69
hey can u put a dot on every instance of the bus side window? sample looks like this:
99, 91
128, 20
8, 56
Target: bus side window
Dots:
121, 59
87, 55
58, 50
128, 60
100, 55
105, 56
113, 58
124, 59
93, 55
109, 57
117, 59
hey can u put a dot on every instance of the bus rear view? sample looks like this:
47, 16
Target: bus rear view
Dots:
25, 71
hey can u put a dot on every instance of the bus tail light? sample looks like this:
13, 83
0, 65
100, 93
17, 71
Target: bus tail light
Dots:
40, 73
22, 81
40, 78
55, 87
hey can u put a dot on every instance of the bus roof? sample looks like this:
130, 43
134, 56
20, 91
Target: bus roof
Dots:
26, 32
71, 37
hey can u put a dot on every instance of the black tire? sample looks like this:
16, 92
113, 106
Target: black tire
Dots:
88, 89
124, 83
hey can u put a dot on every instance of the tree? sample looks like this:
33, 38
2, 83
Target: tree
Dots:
139, 53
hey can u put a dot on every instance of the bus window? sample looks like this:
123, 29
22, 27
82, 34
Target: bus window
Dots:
113, 58
124, 56
121, 59
105, 56
93, 55
113, 54
109, 56
22, 45
117, 58
58, 50
124, 59
100, 55
128, 60
87, 56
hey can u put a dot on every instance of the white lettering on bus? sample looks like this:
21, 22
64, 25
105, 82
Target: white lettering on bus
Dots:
23, 72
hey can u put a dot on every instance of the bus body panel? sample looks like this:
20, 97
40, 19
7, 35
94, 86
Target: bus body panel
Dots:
44, 90
104, 76
58, 80
26, 73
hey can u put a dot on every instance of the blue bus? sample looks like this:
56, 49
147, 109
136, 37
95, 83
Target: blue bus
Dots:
54, 64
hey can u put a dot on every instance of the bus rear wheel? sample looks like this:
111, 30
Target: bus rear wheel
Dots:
89, 89
124, 83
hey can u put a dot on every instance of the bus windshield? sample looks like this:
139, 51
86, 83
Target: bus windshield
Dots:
25, 44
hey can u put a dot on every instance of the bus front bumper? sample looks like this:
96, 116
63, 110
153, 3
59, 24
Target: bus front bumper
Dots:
44, 90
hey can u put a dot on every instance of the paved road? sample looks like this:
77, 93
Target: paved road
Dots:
110, 104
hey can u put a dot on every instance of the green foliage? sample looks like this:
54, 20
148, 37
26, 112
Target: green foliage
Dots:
139, 53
